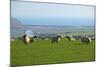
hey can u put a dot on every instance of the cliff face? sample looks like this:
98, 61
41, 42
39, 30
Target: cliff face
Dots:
15, 27
15, 23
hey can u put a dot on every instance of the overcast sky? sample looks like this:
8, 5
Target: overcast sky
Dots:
33, 13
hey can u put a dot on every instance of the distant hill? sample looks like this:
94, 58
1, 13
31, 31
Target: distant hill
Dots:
16, 26
15, 23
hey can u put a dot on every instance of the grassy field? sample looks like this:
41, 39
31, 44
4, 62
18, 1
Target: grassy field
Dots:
44, 52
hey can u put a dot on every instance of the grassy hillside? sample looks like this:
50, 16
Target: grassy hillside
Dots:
44, 52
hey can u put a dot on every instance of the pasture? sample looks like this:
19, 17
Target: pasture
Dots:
44, 52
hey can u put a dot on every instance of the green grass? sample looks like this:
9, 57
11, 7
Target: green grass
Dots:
44, 52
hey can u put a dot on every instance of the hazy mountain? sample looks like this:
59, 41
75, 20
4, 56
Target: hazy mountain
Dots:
16, 27
15, 23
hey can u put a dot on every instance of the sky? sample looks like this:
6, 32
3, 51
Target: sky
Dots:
33, 13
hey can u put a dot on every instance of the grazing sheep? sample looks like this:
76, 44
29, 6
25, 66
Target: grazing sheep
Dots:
59, 37
70, 38
93, 38
26, 39
86, 40
35, 37
44, 38
56, 39
12, 40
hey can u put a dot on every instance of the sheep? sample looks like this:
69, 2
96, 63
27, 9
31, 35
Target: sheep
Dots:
12, 40
70, 38
86, 40
35, 38
26, 39
56, 39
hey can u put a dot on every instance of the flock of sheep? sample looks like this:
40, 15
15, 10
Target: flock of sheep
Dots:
55, 39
